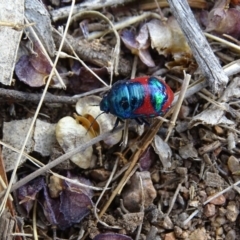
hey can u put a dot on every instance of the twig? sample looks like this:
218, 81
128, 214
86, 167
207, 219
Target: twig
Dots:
34, 220
203, 53
141, 210
178, 105
101, 195
7, 95
223, 41
125, 23
63, 12
174, 198
16, 26
40, 164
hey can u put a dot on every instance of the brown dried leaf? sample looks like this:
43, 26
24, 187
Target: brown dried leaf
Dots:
168, 38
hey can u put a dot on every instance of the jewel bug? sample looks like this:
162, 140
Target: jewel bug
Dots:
138, 98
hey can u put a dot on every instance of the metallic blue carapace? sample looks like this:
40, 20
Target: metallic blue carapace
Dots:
138, 98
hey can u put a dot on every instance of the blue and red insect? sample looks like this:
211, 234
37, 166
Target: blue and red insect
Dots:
138, 98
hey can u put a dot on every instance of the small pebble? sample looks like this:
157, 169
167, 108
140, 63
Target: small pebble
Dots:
231, 235
220, 200
209, 210
232, 212
170, 236
198, 234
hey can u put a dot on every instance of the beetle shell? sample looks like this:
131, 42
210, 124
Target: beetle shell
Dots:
139, 97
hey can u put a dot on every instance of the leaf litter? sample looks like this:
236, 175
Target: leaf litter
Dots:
186, 183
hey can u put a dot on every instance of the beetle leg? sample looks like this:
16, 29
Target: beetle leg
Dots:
116, 123
142, 121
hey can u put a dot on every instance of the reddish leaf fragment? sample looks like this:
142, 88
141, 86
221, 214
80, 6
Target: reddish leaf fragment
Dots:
146, 159
51, 209
27, 193
74, 205
39, 61
112, 236
224, 21
84, 81
138, 44
33, 69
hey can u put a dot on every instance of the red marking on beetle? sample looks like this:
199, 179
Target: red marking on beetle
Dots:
146, 107
170, 95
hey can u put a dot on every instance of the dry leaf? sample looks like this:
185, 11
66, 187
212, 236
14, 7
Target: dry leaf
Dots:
164, 152
212, 117
70, 135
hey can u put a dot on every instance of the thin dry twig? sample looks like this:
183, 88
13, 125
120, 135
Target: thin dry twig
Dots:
8, 95
16, 26
63, 12
177, 107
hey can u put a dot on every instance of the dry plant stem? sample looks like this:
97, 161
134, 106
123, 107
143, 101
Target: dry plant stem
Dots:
45, 53
141, 210
4, 182
210, 199
207, 62
59, 160
118, 42
125, 23
174, 199
40, 164
192, 89
34, 220
223, 41
103, 192
3, 203
148, 5
146, 140
7, 95
63, 12
16, 26
178, 105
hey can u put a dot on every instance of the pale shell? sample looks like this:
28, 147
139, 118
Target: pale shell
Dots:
89, 105
70, 135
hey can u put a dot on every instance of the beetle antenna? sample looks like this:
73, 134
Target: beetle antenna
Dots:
94, 121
